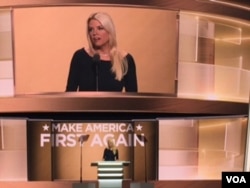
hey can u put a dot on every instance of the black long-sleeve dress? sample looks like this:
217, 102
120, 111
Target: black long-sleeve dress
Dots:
83, 74
109, 155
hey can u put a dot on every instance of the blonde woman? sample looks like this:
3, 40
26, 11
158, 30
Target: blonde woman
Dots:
110, 152
102, 66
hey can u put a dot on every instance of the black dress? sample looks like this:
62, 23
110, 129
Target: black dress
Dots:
108, 155
83, 74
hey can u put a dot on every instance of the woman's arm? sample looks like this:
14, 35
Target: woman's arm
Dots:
131, 78
73, 76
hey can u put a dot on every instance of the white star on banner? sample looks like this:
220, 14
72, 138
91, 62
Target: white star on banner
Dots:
45, 127
139, 127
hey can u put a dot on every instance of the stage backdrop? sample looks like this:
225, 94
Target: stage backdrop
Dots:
54, 148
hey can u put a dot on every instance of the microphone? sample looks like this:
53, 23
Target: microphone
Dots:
96, 60
142, 138
83, 138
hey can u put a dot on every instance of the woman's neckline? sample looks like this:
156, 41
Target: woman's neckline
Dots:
101, 56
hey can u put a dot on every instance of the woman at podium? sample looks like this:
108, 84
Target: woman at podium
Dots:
110, 152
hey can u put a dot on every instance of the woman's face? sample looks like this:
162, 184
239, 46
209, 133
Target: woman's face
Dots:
110, 143
98, 35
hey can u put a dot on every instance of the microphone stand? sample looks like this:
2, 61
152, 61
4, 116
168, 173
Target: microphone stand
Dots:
97, 73
96, 59
145, 150
81, 161
81, 140
144, 139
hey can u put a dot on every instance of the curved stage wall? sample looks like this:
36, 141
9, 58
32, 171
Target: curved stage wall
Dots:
119, 103
177, 127
192, 5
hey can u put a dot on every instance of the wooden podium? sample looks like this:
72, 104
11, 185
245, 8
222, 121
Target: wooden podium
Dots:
110, 173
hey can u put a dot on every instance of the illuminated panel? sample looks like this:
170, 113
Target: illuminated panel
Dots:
247, 156
201, 148
6, 62
13, 150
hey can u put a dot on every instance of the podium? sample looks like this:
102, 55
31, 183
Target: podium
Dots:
110, 173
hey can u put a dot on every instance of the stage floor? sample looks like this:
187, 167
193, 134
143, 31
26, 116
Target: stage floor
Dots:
126, 184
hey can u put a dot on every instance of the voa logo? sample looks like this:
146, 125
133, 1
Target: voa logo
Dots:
236, 179
68, 134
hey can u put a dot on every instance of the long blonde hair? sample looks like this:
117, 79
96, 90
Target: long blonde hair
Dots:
111, 145
119, 62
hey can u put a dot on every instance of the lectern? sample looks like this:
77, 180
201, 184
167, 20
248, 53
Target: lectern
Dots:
110, 173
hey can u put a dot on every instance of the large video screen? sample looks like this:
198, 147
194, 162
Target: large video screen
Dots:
45, 39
